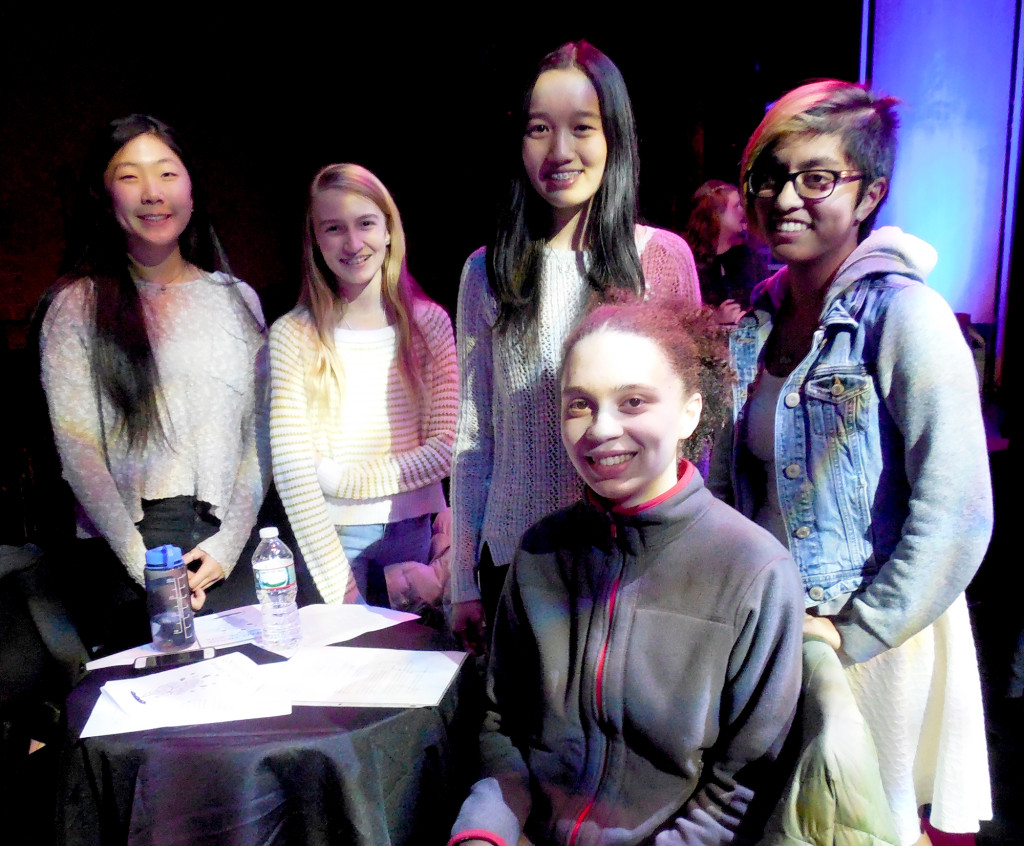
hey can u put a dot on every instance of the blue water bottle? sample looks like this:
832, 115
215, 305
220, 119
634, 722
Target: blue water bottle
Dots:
169, 599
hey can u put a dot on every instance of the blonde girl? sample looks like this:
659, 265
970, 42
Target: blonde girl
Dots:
364, 387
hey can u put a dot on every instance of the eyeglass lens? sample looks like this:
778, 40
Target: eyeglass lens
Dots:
809, 184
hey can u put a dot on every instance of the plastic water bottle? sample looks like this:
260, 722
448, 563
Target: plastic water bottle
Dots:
273, 567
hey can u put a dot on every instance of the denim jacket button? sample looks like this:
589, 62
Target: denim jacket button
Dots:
837, 387
802, 532
793, 471
816, 593
792, 399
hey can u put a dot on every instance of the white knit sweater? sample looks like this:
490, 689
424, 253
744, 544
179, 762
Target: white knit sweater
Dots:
381, 465
211, 357
510, 468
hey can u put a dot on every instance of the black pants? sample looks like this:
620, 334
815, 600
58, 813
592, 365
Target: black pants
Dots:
109, 607
186, 523
491, 577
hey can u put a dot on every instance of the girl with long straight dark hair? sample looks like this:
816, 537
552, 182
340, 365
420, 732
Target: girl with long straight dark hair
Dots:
567, 238
153, 363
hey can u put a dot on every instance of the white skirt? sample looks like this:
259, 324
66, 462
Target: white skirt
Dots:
922, 704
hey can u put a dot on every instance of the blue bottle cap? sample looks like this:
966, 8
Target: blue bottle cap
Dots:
165, 557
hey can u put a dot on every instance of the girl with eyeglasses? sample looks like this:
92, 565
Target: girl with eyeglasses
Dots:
861, 445
567, 239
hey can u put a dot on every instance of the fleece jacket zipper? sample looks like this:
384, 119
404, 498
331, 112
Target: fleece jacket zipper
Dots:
598, 693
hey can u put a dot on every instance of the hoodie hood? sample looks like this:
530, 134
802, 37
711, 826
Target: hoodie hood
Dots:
885, 251
888, 250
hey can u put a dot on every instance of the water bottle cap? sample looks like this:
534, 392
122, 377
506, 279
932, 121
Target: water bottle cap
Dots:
164, 557
268, 532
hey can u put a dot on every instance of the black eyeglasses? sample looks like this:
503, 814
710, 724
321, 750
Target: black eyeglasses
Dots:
809, 184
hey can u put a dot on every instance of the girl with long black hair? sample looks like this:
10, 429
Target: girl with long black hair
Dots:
567, 239
153, 363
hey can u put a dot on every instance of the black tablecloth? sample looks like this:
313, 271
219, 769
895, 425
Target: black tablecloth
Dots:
320, 775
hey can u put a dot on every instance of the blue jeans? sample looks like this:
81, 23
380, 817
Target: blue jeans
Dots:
372, 547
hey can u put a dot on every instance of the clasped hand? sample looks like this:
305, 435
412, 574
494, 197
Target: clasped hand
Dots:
208, 573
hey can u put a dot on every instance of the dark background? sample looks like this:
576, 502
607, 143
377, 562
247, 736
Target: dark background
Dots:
420, 101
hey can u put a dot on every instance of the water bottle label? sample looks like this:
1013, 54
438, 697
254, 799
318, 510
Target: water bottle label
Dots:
268, 578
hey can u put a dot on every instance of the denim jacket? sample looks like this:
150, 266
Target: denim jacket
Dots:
881, 464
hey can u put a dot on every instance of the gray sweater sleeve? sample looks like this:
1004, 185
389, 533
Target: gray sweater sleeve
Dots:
473, 453
253, 477
78, 425
929, 386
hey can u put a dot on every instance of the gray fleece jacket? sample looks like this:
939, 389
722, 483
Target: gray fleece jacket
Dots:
644, 671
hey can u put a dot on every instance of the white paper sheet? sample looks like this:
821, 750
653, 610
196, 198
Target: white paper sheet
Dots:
321, 625
229, 628
364, 677
213, 691
325, 624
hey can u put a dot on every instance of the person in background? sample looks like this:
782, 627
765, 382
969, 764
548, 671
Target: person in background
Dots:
567, 238
153, 362
728, 266
364, 396
645, 665
861, 445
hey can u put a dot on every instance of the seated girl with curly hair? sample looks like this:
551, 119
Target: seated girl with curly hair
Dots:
645, 662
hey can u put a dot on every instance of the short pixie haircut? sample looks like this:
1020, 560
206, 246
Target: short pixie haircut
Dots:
866, 122
695, 347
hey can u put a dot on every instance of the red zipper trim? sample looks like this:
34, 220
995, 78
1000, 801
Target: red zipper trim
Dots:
579, 821
598, 690
686, 473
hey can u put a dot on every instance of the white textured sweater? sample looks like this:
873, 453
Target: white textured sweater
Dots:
211, 359
510, 468
381, 465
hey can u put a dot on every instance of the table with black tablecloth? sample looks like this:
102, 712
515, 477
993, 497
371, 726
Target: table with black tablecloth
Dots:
320, 775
